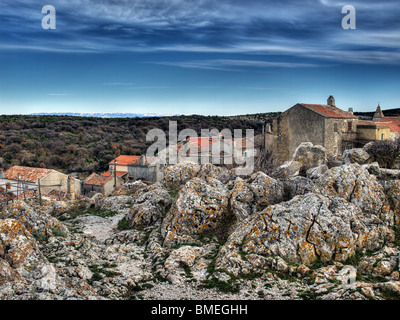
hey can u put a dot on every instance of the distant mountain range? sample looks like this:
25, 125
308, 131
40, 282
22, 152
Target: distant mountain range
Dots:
104, 114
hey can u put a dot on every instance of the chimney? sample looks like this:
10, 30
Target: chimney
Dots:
142, 160
331, 101
350, 110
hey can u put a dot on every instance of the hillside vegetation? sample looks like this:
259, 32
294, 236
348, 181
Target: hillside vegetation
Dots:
84, 144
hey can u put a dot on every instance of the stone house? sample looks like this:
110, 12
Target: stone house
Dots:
134, 168
324, 125
101, 184
393, 122
217, 150
19, 179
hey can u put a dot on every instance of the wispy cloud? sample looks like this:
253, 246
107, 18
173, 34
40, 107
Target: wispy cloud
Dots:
308, 28
234, 65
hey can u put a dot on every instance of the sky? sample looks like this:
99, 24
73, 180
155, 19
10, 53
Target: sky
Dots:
209, 57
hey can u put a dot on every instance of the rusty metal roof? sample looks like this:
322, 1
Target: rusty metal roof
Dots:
329, 111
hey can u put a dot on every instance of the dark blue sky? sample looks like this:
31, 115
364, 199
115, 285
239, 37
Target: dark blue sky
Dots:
206, 57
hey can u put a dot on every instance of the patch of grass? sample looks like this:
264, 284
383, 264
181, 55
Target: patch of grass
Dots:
98, 271
309, 295
123, 224
40, 237
173, 193
104, 213
58, 233
223, 286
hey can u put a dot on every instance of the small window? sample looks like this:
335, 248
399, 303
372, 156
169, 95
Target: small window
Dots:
335, 127
383, 136
349, 126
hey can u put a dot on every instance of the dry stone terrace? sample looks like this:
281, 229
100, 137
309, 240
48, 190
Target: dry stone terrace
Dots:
314, 232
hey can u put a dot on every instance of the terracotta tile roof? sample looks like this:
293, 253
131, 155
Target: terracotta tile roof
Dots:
125, 160
129, 161
203, 141
394, 123
329, 111
119, 173
26, 174
96, 180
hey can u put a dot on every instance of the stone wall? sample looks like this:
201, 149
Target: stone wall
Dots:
293, 127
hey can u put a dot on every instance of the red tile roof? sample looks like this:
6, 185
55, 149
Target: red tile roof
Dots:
119, 173
329, 111
96, 180
125, 160
26, 174
128, 161
394, 123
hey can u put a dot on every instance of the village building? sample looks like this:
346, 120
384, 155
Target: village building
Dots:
327, 125
19, 179
217, 150
392, 122
101, 184
134, 168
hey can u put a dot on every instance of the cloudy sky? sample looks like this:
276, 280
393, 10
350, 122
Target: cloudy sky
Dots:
218, 57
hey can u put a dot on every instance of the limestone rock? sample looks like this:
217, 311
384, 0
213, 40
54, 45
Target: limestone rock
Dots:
300, 231
316, 172
187, 259
177, 175
201, 207
353, 183
310, 156
266, 190
36, 220
241, 199
288, 170
208, 170
25, 267
356, 155
394, 198
149, 207
300, 185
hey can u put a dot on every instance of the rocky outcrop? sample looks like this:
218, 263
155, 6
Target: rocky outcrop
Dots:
149, 207
303, 230
25, 272
322, 236
300, 185
36, 220
266, 190
177, 175
353, 183
288, 170
356, 155
201, 208
310, 156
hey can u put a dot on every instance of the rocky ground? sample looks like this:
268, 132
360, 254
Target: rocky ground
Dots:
202, 233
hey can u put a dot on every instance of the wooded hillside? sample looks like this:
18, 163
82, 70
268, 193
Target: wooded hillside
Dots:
84, 145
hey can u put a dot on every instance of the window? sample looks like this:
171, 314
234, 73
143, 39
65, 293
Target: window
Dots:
335, 127
383, 136
349, 126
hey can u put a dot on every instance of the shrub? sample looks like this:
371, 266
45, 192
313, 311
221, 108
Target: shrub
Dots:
384, 152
